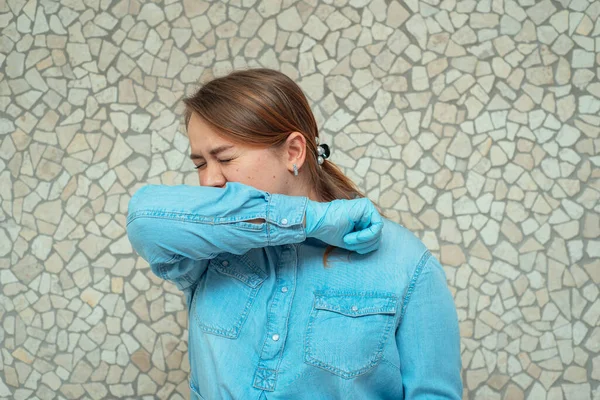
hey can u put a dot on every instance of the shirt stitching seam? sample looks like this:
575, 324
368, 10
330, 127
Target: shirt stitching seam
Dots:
189, 217
413, 282
385, 360
268, 219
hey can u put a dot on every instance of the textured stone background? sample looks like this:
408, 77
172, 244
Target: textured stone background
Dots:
474, 123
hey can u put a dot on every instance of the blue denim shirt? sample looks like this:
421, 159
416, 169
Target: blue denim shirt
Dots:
267, 320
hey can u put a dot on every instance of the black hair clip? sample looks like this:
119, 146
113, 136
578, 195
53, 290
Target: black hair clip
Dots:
323, 152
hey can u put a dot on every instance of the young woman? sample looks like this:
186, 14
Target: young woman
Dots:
296, 287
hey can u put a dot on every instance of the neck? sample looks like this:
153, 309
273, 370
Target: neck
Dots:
314, 196
307, 190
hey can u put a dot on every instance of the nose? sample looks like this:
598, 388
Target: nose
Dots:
212, 176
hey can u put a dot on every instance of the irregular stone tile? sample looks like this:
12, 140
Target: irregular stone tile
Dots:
541, 11
289, 20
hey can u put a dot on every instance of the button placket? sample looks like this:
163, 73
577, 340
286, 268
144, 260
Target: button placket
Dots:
277, 321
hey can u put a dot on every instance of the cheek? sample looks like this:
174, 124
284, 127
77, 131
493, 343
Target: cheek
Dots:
241, 173
259, 171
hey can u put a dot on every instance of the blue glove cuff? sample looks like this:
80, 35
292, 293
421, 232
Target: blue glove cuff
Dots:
316, 212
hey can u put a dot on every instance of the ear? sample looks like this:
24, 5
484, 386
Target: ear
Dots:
295, 150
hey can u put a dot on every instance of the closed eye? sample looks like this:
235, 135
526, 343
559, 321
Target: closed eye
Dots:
204, 164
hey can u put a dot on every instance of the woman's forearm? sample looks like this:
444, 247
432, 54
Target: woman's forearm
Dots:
167, 223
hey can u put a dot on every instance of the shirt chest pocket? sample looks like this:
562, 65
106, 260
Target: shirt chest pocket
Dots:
347, 332
225, 294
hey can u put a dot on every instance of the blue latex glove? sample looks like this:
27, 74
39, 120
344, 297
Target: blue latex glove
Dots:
354, 225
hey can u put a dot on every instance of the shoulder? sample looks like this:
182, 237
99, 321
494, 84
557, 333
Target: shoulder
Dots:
398, 240
401, 251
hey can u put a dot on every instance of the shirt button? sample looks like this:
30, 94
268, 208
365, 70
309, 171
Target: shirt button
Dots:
284, 221
275, 337
284, 289
225, 263
354, 308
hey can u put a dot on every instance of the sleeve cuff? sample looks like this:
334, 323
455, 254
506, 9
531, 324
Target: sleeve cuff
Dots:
285, 216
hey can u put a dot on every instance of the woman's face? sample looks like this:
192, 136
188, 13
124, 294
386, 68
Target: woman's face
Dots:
220, 161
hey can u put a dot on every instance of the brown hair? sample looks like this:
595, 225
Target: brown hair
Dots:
261, 107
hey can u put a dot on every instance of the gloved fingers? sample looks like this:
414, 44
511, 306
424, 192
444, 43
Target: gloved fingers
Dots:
368, 215
362, 212
364, 241
360, 246
360, 237
376, 226
369, 247
373, 232
363, 248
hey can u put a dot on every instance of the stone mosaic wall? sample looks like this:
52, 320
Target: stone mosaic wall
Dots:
474, 123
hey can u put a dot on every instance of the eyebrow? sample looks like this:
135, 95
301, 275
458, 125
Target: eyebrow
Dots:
213, 152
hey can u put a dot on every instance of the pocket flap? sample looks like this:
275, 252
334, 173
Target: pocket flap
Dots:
240, 268
357, 304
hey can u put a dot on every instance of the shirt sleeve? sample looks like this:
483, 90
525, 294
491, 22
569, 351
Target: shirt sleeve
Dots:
428, 337
177, 228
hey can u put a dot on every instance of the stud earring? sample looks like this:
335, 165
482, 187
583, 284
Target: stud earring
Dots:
295, 170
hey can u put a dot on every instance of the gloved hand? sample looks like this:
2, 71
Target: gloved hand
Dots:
354, 225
